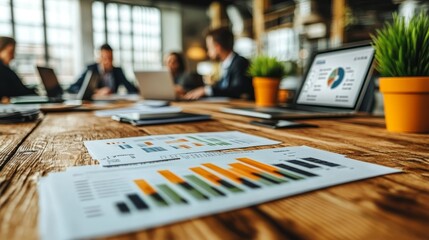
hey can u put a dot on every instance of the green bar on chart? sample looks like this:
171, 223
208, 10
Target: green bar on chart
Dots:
173, 178
173, 195
215, 179
210, 189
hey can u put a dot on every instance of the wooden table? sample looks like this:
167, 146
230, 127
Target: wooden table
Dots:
389, 207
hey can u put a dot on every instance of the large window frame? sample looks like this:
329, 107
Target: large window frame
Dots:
135, 34
41, 39
145, 52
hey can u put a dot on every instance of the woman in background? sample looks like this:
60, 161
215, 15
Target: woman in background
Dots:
10, 84
183, 80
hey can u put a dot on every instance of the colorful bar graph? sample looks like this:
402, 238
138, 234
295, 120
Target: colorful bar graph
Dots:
173, 195
173, 178
303, 164
269, 168
257, 173
210, 189
321, 162
215, 179
296, 170
147, 189
234, 177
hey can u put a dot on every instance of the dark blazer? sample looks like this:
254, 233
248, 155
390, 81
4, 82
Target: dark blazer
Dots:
189, 81
118, 76
10, 84
238, 83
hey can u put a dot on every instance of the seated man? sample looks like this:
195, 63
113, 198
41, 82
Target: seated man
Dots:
110, 77
235, 82
10, 84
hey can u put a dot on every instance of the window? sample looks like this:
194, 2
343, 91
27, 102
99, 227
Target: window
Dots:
29, 35
44, 31
283, 44
62, 38
134, 32
5, 18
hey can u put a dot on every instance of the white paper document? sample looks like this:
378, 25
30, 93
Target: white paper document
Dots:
91, 202
149, 149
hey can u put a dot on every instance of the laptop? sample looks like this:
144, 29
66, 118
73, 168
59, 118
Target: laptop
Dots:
156, 85
159, 86
334, 86
54, 91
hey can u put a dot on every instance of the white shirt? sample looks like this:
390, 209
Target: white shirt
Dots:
106, 77
224, 68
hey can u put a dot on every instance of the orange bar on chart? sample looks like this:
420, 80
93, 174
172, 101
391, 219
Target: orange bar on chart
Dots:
177, 141
148, 143
243, 173
246, 171
224, 172
260, 165
245, 168
185, 146
144, 186
171, 176
207, 175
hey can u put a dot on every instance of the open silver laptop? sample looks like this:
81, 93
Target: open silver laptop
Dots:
156, 85
333, 86
54, 92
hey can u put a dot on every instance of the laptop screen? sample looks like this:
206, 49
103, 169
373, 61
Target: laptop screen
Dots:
50, 81
336, 78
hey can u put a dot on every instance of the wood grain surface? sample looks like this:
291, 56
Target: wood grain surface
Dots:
389, 207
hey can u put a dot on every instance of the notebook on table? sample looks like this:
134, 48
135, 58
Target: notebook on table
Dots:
159, 118
333, 86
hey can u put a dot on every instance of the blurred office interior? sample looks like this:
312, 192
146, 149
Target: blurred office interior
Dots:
65, 34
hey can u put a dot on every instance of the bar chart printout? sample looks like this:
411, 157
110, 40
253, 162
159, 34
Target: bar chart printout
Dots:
130, 199
155, 148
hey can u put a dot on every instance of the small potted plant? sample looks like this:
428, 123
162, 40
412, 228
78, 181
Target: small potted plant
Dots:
402, 55
267, 73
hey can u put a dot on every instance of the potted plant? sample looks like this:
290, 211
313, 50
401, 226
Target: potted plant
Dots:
267, 73
402, 55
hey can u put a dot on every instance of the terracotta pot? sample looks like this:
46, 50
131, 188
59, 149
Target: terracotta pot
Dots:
406, 101
266, 91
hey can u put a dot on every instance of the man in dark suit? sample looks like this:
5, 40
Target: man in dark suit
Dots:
10, 84
111, 77
235, 82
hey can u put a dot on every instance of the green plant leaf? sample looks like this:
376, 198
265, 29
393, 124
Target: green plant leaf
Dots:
264, 66
402, 48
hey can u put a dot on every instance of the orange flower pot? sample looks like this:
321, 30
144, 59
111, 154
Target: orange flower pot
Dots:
266, 91
406, 101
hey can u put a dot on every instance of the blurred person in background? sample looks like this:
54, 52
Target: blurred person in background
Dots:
234, 81
110, 77
10, 83
184, 81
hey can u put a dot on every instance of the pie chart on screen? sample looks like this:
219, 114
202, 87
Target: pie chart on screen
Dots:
336, 77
